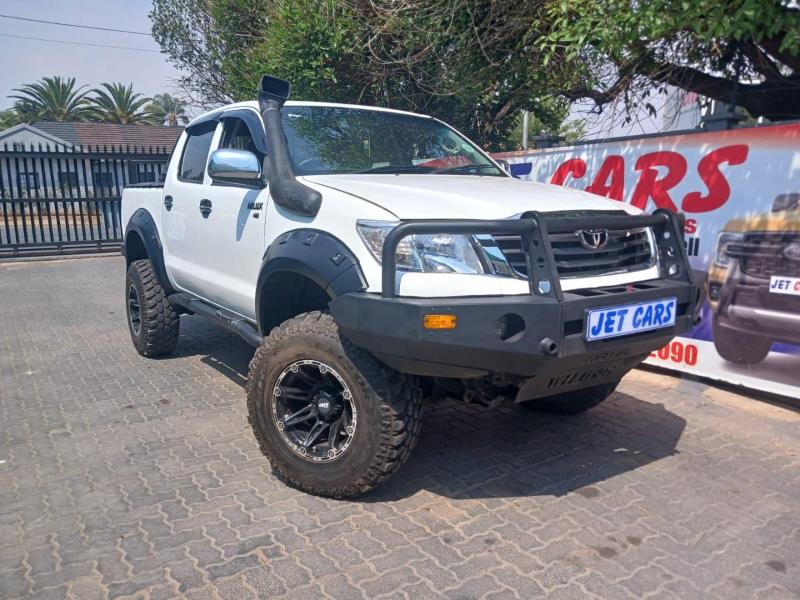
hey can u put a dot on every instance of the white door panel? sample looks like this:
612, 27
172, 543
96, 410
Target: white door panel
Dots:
235, 245
184, 226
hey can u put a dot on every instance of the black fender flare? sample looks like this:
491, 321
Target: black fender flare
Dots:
315, 254
142, 223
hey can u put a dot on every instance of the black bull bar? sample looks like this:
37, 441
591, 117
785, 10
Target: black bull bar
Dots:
553, 351
534, 227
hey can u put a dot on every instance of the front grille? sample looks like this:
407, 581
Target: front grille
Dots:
763, 254
626, 250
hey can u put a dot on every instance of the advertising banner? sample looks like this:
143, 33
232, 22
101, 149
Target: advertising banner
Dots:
740, 191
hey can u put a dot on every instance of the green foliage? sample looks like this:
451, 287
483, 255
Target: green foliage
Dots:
318, 46
8, 118
118, 103
211, 41
420, 57
742, 51
569, 131
477, 63
52, 99
58, 99
168, 110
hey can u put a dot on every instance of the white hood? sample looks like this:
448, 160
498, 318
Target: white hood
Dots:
463, 196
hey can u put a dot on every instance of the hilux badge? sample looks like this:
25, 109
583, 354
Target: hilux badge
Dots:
593, 239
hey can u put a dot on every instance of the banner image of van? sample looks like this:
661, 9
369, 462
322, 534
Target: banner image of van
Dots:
740, 192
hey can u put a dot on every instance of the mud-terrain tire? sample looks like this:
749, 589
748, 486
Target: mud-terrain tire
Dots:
388, 406
574, 402
152, 321
739, 348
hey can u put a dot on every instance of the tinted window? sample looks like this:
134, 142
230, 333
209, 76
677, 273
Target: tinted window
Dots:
195, 152
237, 135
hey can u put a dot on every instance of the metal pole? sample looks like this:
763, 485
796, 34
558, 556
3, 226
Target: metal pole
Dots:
525, 117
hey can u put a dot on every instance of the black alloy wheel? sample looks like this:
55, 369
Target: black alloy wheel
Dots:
313, 410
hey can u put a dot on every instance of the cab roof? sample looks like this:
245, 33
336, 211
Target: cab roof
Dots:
253, 105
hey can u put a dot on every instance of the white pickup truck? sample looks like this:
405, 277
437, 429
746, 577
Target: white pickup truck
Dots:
377, 257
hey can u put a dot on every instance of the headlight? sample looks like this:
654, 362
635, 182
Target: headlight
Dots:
436, 253
724, 239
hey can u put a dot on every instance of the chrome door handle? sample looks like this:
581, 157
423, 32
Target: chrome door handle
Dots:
205, 208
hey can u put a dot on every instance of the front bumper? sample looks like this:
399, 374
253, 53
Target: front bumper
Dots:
550, 346
746, 306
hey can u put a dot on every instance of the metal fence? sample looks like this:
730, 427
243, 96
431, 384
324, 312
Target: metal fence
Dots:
66, 199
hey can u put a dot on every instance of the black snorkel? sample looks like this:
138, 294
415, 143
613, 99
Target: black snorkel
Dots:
284, 189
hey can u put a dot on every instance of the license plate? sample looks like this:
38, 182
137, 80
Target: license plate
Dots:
614, 321
784, 285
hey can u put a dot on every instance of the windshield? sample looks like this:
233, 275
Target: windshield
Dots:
326, 140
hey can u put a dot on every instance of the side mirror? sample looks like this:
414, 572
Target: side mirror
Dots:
235, 166
505, 165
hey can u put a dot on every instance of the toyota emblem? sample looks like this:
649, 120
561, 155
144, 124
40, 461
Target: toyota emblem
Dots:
593, 239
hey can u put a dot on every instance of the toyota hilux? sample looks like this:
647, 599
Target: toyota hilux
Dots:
376, 257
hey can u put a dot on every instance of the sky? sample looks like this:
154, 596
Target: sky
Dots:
26, 61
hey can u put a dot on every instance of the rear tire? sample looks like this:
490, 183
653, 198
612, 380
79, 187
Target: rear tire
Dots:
739, 348
305, 378
574, 402
152, 321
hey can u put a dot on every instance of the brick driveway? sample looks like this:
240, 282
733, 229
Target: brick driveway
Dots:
125, 476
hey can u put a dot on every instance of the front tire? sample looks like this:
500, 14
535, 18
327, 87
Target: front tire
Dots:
574, 402
152, 321
332, 419
739, 348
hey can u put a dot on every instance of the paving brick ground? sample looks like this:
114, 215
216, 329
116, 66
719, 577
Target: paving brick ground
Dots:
122, 476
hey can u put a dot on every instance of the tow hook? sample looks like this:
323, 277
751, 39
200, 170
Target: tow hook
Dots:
548, 346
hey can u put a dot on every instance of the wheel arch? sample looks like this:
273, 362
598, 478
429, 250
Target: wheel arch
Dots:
142, 241
303, 270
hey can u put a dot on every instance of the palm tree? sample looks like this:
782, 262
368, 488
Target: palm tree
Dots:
118, 103
168, 109
52, 99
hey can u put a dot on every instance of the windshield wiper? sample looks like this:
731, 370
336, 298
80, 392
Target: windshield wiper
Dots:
464, 169
398, 169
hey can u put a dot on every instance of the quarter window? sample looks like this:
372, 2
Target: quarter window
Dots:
237, 135
195, 152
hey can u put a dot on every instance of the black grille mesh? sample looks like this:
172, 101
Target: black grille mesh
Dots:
762, 254
625, 251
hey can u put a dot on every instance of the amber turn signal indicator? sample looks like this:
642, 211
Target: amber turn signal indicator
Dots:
439, 322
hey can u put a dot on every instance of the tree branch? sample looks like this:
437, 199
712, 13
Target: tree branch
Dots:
773, 46
761, 61
772, 99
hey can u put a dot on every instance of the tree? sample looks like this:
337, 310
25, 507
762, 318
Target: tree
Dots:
168, 110
744, 52
567, 131
473, 62
117, 103
360, 51
51, 99
739, 51
211, 41
8, 118
477, 63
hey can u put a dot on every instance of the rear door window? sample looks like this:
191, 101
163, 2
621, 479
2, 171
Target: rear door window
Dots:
195, 152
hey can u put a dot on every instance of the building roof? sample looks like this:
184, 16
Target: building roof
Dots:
111, 134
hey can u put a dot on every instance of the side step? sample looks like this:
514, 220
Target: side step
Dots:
230, 321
